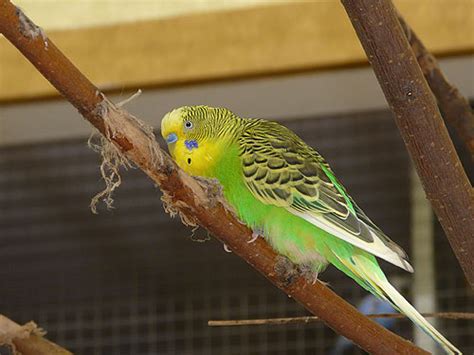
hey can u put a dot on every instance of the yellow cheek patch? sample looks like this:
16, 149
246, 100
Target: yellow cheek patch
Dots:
200, 159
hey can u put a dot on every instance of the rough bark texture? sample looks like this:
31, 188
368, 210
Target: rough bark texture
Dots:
27, 339
196, 202
420, 123
454, 106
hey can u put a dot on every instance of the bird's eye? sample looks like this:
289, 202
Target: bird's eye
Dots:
188, 124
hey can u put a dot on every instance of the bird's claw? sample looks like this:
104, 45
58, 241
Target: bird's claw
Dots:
255, 234
310, 275
254, 237
226, 248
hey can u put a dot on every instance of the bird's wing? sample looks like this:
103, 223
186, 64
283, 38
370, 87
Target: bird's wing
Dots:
281, 170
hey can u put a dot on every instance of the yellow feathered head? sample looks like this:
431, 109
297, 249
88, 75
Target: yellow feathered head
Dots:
196, 134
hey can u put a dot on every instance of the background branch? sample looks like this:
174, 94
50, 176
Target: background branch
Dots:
419, 121
312, 319
454, 106
184, 194
27, 339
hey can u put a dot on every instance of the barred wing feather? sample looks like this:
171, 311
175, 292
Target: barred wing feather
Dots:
281, 170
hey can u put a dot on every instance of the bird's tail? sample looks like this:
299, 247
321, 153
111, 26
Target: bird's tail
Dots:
362, 270
399, 302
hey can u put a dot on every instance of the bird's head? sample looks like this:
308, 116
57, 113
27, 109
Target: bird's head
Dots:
194, 134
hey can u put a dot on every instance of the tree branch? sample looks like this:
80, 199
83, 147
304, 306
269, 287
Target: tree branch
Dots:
454, 106
420, 123
27, 339
185, 194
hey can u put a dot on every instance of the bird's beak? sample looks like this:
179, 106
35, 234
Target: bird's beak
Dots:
171, 138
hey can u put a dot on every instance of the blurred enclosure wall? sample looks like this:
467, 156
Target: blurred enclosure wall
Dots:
134, 281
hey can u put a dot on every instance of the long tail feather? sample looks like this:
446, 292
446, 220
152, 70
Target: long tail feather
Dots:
406, 308
368, 274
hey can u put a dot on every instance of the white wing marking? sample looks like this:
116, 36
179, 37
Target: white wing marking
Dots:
377, 247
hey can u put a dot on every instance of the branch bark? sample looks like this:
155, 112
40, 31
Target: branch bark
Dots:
184, 193
27, 339
420, 123
454, 106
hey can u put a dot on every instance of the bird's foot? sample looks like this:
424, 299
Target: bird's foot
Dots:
226, 248
255, 234
286, 271
310, 274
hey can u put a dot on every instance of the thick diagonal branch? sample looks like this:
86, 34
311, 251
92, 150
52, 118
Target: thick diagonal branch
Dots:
419, 121
454, 106
186, 194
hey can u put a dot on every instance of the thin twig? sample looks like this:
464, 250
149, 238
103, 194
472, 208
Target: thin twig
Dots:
313, 319
420, 123
188, 197
131, 98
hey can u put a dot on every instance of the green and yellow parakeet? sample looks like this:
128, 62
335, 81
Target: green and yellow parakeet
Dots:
284, 189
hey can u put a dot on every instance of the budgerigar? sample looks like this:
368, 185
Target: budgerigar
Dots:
285, 190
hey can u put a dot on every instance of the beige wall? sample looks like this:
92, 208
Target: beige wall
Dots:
225, 45
274, 98
88, 13
296, 95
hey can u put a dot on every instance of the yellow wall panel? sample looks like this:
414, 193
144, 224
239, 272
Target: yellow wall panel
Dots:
239, 43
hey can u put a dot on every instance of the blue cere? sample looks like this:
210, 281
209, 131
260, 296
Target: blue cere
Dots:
171, 138
191, 144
